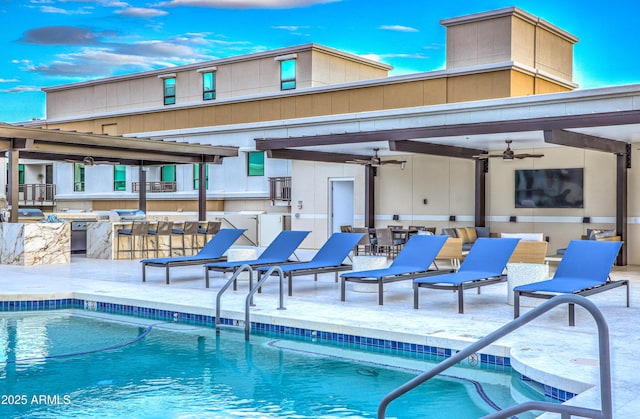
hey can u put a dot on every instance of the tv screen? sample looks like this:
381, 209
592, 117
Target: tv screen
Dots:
549, 188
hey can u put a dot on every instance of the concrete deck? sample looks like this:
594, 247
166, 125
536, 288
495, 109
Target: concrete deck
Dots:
547, 350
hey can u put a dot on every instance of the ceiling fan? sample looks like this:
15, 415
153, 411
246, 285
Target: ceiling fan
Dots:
508, 154
376, 161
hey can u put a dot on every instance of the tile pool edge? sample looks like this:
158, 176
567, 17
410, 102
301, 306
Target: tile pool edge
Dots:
206, 318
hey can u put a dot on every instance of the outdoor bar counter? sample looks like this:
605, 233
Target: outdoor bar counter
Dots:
35, 243
103, 242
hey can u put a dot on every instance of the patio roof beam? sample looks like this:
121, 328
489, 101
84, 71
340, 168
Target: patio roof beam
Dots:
434, 149
476, 128
579, 140
314, 156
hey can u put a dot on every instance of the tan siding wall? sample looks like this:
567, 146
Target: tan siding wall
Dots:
399, 95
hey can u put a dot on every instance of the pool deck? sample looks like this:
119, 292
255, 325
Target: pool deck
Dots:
547, 349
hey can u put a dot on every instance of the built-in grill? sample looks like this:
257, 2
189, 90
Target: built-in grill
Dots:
30, 215
127, 215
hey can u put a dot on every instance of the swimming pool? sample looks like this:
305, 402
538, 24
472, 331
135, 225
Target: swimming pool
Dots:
71, 363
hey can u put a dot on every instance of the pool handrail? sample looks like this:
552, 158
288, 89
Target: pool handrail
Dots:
249, 300
252, 291
606, 404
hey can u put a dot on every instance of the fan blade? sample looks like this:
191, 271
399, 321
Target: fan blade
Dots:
524, 156
390, 162
358, 161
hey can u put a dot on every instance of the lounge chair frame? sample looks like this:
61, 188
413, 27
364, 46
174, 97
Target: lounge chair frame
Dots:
472, 273
296, 237
168, 263
290, 270
583, 292
377, 277
573, 268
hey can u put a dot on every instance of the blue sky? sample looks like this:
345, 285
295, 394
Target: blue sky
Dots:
52, 42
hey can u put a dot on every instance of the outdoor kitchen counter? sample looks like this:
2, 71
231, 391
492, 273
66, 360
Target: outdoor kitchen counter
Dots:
103, 237
35, 243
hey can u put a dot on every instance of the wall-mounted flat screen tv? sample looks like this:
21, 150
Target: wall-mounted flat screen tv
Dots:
549, 188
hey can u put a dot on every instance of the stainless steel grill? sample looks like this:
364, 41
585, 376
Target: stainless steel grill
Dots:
127, 215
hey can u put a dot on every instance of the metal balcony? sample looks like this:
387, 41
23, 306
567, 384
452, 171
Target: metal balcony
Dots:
280, 189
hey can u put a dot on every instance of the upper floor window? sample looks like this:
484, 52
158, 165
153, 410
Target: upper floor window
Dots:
255, 163
288, 74
119, 177
209, 85
169, 90
168, 173
196, 176
78, 177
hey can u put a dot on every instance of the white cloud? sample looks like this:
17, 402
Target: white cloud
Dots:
398, 28
8, 80
290, 28
246, 4
20, 89
58, 10
141, 12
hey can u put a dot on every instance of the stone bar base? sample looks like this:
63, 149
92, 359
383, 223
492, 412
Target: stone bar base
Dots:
35, 243
103, 242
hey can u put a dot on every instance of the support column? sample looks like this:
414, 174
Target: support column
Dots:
202, 192
13, 196
369, 196
622, 163
480, 213
142, 193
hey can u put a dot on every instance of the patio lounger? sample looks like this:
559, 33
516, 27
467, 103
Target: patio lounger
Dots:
484, 265
213, 251
413, 261
583, 270
329, 258
277, 252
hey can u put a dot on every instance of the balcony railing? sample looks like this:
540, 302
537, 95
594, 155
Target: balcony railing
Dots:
155, 186
280, 189
35, 194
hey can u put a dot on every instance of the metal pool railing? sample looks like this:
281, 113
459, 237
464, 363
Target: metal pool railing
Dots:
606, 405
252, 291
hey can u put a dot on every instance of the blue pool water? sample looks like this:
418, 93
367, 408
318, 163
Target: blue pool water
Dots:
67, 364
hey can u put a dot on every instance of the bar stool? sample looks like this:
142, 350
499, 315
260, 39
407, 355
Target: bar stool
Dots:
189, 228
139, 229
210, 230
163, 228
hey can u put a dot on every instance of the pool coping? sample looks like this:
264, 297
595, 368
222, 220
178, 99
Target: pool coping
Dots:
352, 335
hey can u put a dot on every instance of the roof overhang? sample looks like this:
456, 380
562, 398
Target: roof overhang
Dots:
71, 146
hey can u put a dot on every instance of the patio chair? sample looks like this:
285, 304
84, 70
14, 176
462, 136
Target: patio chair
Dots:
329, 258
413, 261
278, 251
484, 265
213, 251
584, 270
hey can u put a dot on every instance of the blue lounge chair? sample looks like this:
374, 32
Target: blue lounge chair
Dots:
484, 265
277, 252
213, 251
583, 270
329, 258
413, 261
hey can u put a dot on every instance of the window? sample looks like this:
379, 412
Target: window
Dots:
255, 163
196, 176
209, 85
287, 74
168, 173
169, 90
119, 178
78, 177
